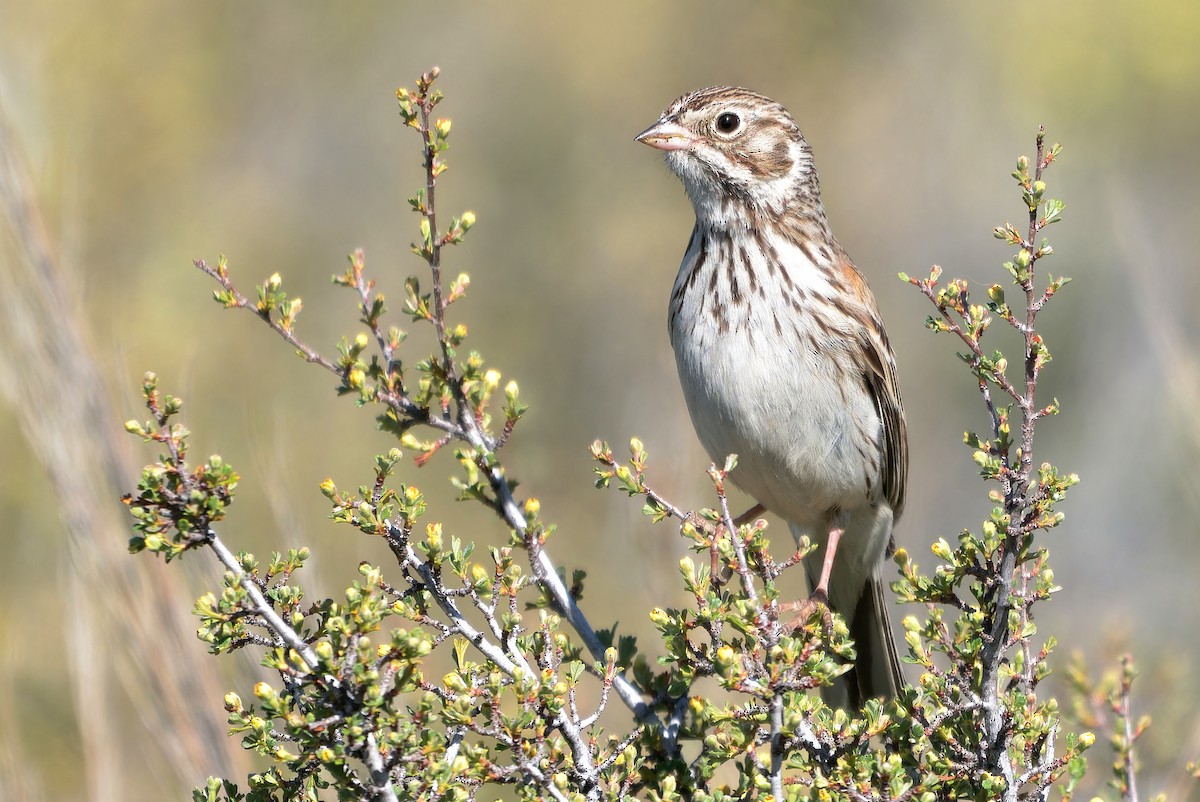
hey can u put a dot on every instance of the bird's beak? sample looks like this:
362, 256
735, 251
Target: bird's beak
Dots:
667, 136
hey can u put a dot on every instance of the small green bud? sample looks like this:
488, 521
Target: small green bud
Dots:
725, 658
455, 682
433, 536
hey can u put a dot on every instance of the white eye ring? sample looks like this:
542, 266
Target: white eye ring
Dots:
728, 123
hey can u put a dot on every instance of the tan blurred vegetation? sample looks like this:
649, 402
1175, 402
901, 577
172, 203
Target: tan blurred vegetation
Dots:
157, 133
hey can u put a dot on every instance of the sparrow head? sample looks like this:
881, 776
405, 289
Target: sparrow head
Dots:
729, 144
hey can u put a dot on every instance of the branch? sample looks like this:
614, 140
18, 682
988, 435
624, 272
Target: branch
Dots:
380, 778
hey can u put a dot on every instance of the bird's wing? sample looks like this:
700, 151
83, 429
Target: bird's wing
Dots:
884, 387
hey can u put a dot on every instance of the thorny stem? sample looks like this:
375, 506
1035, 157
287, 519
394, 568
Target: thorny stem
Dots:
507, 662
240, 301
765, 617
381, 784
467, 426
1016, 501
739, 550
1130, 775
777, 749
770, 632
262, 607
467, 429
1016, 483
425, 104
1028, 405
470, 431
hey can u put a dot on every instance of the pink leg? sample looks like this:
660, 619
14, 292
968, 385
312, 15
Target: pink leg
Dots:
822, 588
820, 594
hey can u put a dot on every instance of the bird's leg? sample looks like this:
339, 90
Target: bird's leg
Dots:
820, 594
822, 588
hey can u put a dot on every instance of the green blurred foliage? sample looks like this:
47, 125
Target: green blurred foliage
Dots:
160, 133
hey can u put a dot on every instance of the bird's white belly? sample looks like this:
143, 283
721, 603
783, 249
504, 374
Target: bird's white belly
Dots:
776, 405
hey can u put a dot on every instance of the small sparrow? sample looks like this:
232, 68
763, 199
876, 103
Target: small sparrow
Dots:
784, 360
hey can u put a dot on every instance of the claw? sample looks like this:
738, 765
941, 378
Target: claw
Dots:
804, 610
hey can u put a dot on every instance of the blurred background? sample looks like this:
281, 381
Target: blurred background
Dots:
138, 137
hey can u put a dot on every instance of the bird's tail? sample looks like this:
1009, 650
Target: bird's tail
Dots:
858, 592
876, 671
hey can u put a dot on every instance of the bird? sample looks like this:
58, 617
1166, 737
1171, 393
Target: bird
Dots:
784, 360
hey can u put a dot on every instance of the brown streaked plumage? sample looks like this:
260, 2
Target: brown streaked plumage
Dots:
783, 356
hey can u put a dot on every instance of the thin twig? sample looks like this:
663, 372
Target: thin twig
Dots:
380, 779
1128, 768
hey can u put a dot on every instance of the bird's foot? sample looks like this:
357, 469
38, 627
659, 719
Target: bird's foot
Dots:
803, 612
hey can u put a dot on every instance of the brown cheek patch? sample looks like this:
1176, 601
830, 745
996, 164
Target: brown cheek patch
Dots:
781, 159
773, 159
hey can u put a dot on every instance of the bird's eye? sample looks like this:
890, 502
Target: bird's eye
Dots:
728, 122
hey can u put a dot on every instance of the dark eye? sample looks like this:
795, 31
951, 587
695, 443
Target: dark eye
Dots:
728, 122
